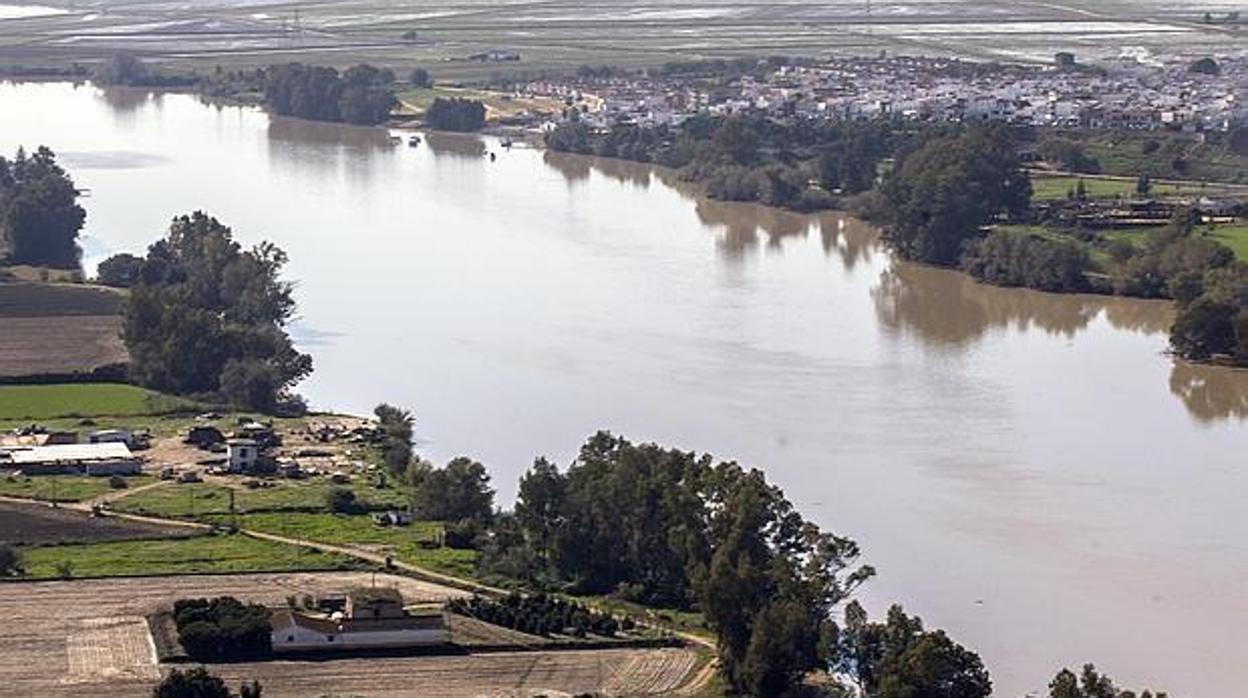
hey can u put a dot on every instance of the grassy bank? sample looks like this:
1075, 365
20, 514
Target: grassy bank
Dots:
80, 400
198, 555
1059, 187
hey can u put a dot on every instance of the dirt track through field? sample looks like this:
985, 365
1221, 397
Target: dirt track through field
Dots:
87, 638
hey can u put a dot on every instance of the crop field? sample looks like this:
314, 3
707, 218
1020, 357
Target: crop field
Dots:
40, 524
218, 553
86, 638
58, 329
562, 34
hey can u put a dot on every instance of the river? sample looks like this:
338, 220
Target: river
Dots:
1029, 471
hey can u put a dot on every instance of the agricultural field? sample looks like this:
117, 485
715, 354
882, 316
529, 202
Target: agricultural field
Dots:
212, 553
209, 498
86, 637
52, 329
82, 400
563, 34
497, 105
1057, 188
415, 544
39, 524
62, 488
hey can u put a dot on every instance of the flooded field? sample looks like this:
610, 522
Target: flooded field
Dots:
568, 33
1030, 471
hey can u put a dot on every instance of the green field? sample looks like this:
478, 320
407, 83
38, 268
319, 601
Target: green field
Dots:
184, 501
1046, 188
77, 400
62, 488
211, 553
411, 544
1233, 236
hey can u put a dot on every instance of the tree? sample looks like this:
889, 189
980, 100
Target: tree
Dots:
1204, 328
396, 445
208, 318
192, 683
420, 78
455, 114
341, 500
1090, 684
899, 659
9, 560
120, 270
1143, 185
944, 192
361, 95
40, 218
457, 492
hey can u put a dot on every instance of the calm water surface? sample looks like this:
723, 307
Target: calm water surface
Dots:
1027, 470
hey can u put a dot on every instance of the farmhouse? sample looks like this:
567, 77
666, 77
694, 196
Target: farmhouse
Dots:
72, 459
243, 454
373, 619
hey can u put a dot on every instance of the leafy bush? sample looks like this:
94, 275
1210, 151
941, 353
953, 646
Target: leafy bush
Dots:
455, 115
222, 628
539, 614
1018, 259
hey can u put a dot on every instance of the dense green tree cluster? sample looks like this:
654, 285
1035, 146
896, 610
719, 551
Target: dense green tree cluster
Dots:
942, 194
127, 69
1091, 684
420, 77
684, 531
899, 659
455, 114
360, 95
1019, 259
537, 614
198, 682
120, 270
208, 318
39, 213
794, 163
458, 492
222, 628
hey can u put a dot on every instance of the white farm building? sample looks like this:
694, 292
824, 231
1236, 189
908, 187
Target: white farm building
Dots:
72, 459
374, 619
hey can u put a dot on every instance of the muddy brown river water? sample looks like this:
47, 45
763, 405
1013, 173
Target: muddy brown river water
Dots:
1030, 471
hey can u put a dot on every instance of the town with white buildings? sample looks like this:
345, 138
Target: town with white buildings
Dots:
1208, 95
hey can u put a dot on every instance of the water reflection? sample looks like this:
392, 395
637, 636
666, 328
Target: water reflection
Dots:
326, 150
574, 168
1211, 393
947, 308
455, 145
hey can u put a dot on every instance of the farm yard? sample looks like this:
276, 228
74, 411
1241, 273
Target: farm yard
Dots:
89, 636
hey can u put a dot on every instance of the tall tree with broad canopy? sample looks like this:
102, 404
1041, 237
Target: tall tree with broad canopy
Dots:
207, 317
40, 218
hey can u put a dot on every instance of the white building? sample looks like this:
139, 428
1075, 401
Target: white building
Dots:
242, 454
77, 459
374, 619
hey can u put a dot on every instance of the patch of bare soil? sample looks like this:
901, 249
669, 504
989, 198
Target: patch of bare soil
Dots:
41, 524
